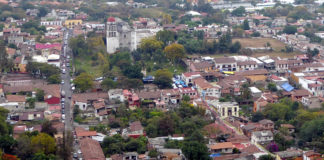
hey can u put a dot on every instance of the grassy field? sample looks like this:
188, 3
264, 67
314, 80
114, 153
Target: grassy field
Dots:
260, 42
84, 63
276, 45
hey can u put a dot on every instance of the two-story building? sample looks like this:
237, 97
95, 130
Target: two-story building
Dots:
205, 89
262, 137
227, 109
246, 65
224, 148
225, 64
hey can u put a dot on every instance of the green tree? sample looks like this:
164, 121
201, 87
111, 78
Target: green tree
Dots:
113, 145
194, 150
166, 19
54, 79
174, 52
48, 128
133, 71
24, 149
272, 87
3, 59
238, 32
257, 116
7, 143
225, 41
235, 48
186, 98
163, 78
246, 25
166, 36
239, 12
108, 84
42, 12
43, 143
150, 45
31, 102
153, 153
83, 82
267, 157
40, 94
290, 29
42, 156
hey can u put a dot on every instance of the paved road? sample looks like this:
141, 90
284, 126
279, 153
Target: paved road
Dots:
66, 87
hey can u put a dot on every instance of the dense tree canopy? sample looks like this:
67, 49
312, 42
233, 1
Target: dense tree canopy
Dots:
174, 52
83, 82
163, 78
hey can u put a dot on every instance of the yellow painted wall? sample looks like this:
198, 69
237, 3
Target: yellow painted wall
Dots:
70, 23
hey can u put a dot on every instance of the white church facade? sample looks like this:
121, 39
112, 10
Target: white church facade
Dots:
120, 35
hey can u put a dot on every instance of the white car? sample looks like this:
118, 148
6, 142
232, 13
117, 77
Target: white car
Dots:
62, 82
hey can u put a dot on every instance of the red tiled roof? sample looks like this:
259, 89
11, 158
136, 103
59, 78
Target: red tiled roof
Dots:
46, 46
84, 97
16, 98
136, 126
221, 145
19, 129
274, 77
53, 100
202, 83
53, 108
91, 149
81, 132
189, 74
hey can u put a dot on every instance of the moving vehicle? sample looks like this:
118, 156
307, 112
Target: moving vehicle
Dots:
63, 116
62, 93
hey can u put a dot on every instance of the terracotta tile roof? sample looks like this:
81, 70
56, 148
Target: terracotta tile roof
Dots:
149, 95
81, 132
221, 145
189, 74
136, 126
19, 129
99, 104
203, 65
171, 92
116, 157
46, 46
84, 97
241, 63
281, 62
301, 92
289, 126
225, 60
91, 149
312, 153
59, 126
266, 121
253, 72
250, 149
16, 98
51, 89
274, 77
238, 139
202, 83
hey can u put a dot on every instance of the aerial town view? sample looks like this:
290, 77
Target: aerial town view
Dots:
161, 79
